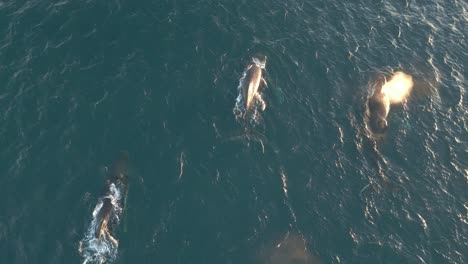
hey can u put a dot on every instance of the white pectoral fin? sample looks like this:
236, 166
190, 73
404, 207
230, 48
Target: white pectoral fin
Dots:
264, 82
260, 100
114, 241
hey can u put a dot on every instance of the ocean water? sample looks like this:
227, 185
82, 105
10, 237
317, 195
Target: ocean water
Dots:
305, 183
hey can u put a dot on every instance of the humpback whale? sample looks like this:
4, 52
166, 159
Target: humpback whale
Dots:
379, 107
392, 92
99, 244
253, 80
113, 200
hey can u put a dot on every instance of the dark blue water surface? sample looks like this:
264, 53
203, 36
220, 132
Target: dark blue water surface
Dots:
82, 80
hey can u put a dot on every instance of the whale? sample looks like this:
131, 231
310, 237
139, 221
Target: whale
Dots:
386, 93
253, 83
113, 200
378, 108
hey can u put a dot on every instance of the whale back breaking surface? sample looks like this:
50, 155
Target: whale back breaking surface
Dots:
249, 93
379, 104
378, 108
254, 76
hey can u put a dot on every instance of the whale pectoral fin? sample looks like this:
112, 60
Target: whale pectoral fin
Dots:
264, 82
114, 241
260, 100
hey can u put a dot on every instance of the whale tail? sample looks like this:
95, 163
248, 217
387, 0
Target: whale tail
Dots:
248, 135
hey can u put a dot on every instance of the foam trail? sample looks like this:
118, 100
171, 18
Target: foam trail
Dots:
239, 109
284, 179
285, 183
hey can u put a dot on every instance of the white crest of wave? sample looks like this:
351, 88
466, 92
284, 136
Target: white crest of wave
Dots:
398, 87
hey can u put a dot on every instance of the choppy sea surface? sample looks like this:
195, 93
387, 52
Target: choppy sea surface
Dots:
305, 183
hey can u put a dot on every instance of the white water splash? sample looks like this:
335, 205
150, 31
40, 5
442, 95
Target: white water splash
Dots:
239, 108
103, 250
